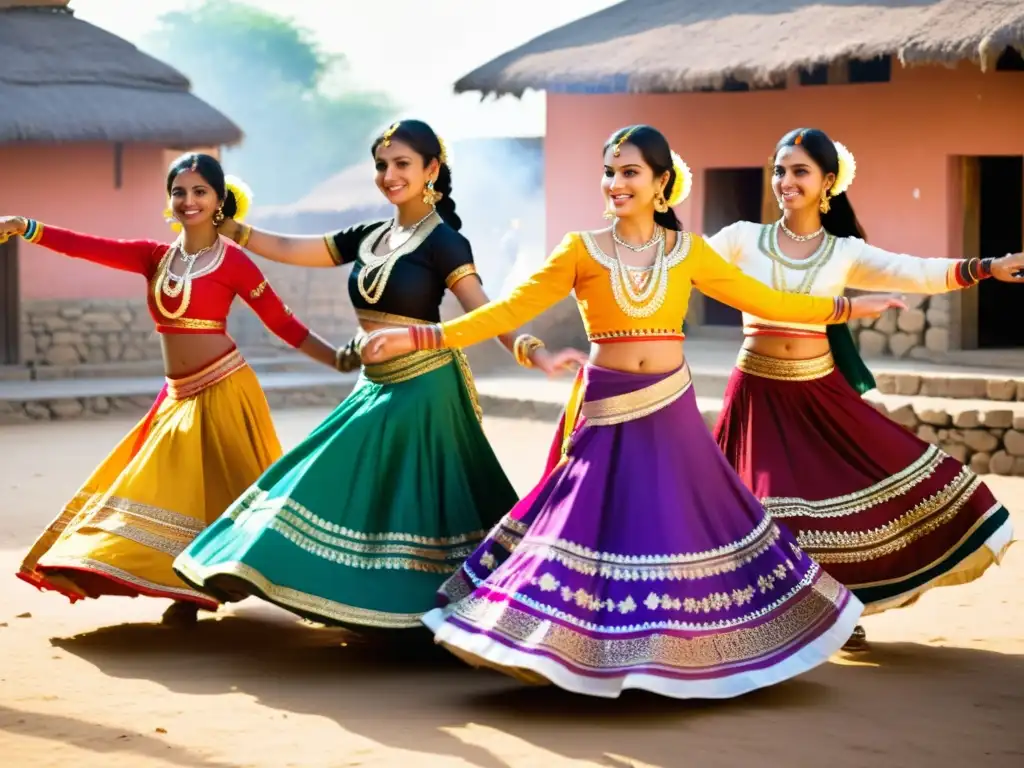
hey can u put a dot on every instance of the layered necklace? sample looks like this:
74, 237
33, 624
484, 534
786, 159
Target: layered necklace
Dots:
639, 291
810, 267
173, 286
371, 288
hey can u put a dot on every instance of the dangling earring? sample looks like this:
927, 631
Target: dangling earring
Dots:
659, 203
824, 205
218, 217
431, 196
609, 209
782, 205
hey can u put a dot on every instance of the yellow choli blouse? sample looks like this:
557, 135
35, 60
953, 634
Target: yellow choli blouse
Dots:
579, 264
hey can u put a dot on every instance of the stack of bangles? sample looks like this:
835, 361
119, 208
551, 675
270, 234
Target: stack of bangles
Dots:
525, 346
842, 308
968, 272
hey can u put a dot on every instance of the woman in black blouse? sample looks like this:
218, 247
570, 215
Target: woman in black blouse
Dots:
362, 521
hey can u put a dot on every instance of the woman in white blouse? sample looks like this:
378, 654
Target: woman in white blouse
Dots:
884, 512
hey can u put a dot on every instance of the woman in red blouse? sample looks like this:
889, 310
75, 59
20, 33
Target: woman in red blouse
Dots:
209, 434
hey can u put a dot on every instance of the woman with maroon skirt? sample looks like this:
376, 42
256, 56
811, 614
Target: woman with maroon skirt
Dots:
884, 512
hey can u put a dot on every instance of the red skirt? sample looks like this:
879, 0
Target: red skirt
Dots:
882, 511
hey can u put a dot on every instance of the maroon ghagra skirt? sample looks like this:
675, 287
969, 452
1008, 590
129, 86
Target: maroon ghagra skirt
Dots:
885, 513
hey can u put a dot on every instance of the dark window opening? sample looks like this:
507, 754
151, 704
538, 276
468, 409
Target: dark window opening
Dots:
876, 70
1011, 61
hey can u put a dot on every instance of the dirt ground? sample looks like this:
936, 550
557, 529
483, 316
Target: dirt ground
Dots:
102, 684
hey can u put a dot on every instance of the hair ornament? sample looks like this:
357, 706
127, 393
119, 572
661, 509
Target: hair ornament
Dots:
444, 158
617, 149
683, 183
847, 170
386, 138
243, 196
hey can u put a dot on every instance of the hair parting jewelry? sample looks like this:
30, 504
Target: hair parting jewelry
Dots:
426, 336
525, 345
386, 138
617, 149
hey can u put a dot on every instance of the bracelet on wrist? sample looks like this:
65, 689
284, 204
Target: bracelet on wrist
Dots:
524, 346
33, 230
426, 336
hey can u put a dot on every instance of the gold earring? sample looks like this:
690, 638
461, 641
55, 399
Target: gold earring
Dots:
659, 203
824, 205
609, 209
218, 217
431, 196
782, 205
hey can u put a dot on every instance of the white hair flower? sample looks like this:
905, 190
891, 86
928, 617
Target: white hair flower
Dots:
847, 169
683, 184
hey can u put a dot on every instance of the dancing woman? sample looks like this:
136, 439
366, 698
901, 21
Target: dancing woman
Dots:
884, 512
640, 561
362, 521
209, 434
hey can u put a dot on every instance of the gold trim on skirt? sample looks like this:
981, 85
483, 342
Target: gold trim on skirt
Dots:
780, 369
421, 362
636, 405
184, 387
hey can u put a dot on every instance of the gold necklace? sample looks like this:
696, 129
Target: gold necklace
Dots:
383, 264
162, 281
810, 266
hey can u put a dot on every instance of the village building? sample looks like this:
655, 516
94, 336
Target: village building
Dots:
929, 96
88, 126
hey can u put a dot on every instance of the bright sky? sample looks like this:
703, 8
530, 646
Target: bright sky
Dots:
413, 49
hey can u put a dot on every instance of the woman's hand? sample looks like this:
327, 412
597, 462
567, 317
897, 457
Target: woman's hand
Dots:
11, 226
874, 304
1009, 269
554, 363
383, 345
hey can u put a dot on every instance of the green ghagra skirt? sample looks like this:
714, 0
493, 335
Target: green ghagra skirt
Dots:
362, 522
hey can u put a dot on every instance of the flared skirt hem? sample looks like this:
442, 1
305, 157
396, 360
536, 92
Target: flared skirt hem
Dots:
535, 666
308, 606
982, 548
126, 584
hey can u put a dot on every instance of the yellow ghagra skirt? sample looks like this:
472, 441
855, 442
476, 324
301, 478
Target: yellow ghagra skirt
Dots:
206, 440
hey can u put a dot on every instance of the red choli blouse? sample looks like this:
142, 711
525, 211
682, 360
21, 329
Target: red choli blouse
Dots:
211, 292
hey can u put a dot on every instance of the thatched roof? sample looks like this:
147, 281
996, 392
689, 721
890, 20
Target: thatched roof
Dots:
683, 45
64, 80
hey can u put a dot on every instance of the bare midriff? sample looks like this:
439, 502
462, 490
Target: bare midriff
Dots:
651, 356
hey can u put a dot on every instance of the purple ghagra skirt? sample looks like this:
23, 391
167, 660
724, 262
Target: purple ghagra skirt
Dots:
642, 561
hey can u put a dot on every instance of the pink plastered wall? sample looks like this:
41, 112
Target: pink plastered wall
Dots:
904, 135
73, 186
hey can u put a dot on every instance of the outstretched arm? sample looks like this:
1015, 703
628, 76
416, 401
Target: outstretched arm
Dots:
875, 269
330, 250
136, 256
248, 282
545, 288
725, 282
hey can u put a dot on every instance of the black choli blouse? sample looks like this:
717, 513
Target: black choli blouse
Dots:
433, 259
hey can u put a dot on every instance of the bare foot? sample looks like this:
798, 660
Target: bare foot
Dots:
181, 614
858, 640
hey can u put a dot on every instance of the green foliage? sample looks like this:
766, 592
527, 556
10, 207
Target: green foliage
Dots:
268, 76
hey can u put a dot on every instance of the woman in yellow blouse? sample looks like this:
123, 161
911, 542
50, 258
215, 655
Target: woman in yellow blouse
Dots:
640, 560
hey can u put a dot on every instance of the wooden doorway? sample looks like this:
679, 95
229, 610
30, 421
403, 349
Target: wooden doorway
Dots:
731, 194
985, 317
10, 309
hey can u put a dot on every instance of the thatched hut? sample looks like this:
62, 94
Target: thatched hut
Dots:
929, 95
87, 123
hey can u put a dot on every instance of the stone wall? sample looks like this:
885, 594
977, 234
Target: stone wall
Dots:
989, 441
919, 332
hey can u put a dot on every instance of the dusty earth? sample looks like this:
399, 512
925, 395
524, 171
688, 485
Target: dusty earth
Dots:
102, 684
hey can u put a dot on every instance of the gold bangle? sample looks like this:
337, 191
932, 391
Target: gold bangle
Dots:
524, 346
243, 237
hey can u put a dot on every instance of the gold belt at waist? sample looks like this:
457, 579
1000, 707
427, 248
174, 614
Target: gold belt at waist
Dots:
782, 369
635, 405
407, 367
184, 387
